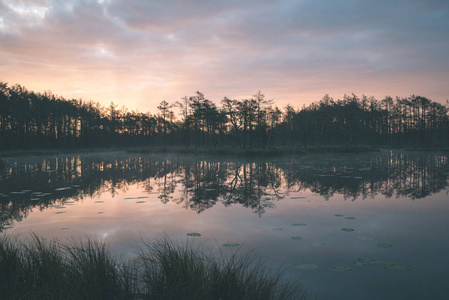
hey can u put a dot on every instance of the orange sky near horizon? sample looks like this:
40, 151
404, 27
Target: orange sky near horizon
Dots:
137, 53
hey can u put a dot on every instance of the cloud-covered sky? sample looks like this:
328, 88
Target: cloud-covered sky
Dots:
138, 53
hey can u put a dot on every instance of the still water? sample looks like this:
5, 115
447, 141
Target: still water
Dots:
371, 226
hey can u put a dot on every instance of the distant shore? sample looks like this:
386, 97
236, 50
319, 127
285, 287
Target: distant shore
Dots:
216, 151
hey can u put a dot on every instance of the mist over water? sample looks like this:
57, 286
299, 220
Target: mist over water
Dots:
371, 226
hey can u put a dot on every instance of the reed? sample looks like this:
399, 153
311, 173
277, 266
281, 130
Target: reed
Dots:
164, 269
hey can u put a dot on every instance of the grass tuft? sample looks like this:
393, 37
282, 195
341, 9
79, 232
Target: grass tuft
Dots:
42, 269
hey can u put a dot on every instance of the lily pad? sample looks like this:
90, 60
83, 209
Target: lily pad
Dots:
348, 229
320, 244
299, 224
140, 201
363, 261
307, 267
350, 218
397, 267
98, 201
365, 238
296, 238
339, 215
231, 245
194, 234
340, 269
385, 245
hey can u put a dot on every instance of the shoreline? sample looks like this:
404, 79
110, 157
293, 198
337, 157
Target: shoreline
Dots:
218, 151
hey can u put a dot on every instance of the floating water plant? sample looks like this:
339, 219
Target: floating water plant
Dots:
365, 238
140, 201
396, 267
340, 269
363, 261
296, 238
64, 228
385, 245
194, 234
99, 201
307, 267
295, 198
339, 215
299, 224
350, 218
348, 229
231, 245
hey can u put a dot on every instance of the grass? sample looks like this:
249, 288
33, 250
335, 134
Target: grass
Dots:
164, 269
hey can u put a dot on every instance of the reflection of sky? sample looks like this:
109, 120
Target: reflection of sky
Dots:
416, 229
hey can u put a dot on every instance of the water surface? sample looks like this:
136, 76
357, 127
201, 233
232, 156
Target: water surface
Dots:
370, 226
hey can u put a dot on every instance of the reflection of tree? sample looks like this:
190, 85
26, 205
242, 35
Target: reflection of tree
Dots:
201, 184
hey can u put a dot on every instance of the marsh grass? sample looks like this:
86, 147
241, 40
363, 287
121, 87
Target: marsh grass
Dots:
163, 269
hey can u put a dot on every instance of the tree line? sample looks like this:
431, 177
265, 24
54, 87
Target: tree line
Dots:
43, 120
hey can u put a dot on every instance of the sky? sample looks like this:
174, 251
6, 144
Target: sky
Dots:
137, 53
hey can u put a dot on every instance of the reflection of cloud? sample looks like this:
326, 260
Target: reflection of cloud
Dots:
291, 50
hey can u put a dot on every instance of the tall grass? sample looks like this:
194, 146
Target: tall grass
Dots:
164, 269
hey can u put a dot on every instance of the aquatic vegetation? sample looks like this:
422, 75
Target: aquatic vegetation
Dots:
348, 229
299, 224
296, 238
350, 218
231, 245
320, 244
194, 234
385, 245
339, 215
163, 269
307, 267
140, 201
397, 267
365, 238
340, 269
279, 228
295, 198
363, 261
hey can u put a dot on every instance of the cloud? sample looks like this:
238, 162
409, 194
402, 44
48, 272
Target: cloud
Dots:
146, 51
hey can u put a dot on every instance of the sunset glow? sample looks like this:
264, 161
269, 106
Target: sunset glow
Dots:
138, 53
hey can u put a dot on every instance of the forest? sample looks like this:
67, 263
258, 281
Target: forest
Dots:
30, 120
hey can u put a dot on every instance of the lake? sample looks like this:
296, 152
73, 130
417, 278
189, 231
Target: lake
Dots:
368, 226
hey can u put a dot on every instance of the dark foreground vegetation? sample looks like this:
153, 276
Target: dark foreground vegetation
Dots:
43, 269
30, 120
